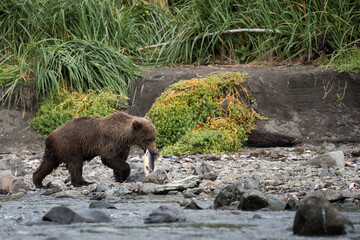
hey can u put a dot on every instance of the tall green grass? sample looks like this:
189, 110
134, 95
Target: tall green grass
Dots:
310, 29
93, 44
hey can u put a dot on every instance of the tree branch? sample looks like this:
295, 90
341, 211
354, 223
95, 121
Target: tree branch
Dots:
231, 31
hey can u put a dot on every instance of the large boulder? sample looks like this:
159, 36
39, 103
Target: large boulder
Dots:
317, 216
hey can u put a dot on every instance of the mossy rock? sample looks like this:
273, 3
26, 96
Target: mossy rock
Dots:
206, 115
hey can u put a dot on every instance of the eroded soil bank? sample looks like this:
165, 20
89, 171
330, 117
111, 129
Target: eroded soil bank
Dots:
312, 104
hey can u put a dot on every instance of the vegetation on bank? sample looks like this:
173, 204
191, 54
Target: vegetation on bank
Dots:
71, 104
204, 115
89, 46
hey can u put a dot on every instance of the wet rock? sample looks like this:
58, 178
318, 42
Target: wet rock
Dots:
12, 184
98, 196
234, 205
252, 201
256, 216
275, 204
101, 188
54, 187
193, 193
179, 185
137, 173
197, 205
165, 214
292, 203
101, 204
349, 206
64, 215
316, 216
235, 195
331, 159
229, 194
205, 171
159, 176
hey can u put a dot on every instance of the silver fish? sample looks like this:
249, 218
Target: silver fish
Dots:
149, 162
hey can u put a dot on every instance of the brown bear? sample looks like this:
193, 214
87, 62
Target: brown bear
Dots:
83, 138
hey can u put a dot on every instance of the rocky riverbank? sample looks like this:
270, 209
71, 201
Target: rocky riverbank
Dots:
282, 172
280, 176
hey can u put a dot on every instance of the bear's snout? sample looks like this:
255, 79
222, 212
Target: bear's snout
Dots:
154, 151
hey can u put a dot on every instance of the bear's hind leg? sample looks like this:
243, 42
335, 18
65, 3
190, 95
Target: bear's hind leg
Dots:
75, 169
46, 167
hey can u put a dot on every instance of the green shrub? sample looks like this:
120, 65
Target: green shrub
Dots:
205, 115
71, 104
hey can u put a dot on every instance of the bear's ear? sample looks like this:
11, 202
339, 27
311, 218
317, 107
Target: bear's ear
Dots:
136, 125
147, 118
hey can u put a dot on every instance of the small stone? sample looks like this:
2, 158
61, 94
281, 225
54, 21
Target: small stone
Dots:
292, 203
102, 204
147, 188
349, 206
159, 176
56, 186
193, 193
331, 159
197, 205
165, 214
68, 194
205, 171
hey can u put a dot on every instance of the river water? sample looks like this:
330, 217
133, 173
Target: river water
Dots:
128, 221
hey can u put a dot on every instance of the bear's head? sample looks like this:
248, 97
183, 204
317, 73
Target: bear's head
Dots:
145, 133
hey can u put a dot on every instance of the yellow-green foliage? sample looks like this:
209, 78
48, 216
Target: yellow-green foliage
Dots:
71, 104
206, 115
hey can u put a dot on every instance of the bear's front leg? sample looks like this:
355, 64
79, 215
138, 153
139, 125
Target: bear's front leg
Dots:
122, 173
121, 168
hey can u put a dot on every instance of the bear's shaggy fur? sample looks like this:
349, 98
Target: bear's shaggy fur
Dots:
83, 138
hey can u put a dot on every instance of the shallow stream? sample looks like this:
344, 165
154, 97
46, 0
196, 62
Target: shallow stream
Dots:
128, 221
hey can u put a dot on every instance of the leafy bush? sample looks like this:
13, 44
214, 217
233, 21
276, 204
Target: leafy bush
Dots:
204, 115
71, 104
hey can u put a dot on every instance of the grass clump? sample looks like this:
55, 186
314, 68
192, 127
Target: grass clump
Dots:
84, 65
71, 104
207, 115
348, 62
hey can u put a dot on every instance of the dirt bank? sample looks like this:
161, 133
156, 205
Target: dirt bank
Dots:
313, 104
